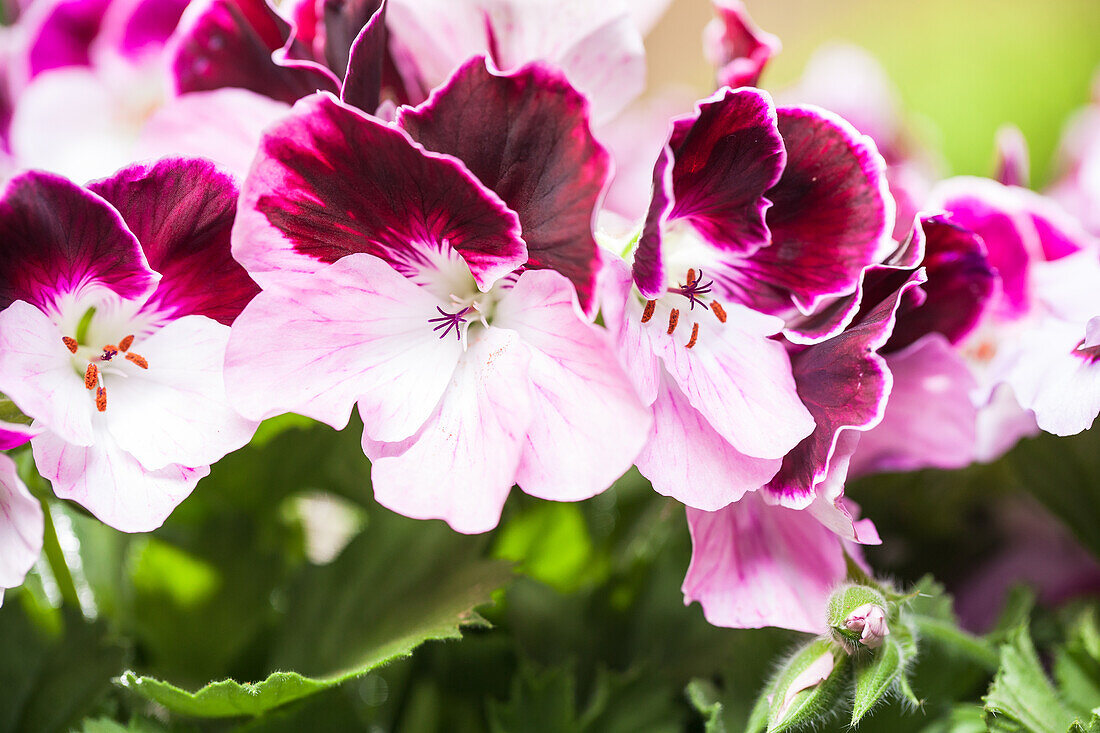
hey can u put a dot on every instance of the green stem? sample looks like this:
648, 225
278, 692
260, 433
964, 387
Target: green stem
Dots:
56, 559
955, 638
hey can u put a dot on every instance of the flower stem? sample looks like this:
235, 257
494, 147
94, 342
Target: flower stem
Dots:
56, 558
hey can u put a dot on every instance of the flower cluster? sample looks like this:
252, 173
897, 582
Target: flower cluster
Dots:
448, 215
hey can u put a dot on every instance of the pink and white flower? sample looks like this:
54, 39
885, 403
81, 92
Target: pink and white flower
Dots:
21, 525
427, 287
118, 363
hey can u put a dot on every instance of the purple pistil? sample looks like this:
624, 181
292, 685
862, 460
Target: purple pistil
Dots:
694, 288
447, 321
1091, 354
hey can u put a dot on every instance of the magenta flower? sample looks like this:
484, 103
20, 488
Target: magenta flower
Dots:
396, 278
736, 47
118, 363
21, 525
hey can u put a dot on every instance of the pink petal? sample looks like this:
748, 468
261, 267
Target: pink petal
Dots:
20, 527
355, 330
111, 484
686, 459
463, 462
37, 373
177, 411
587, 423
755, 565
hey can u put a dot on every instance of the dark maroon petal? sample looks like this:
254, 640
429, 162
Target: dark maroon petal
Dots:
649, 267
150, 23
343, 22
56, 237
725, 156
736, 47
844, 384
525, 135
333, 181
831, 216
960, 284
64, 34
833, 317
229, 43
181, 210
366, 60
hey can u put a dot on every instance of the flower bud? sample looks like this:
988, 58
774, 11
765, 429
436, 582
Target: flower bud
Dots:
808, 686
869, 621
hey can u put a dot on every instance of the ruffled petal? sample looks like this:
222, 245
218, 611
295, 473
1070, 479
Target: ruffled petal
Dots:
111, 484
229, 43
463, 462
737, 49
57, 238
360, 28
181, 211
844, 383
177, 410
637, 348
525, 135
832, 214
740, 380
930, 420
330, 181
21, 524
354, 331
754, 565
587, 423
723, 159
60, 33
37, 373
685, 458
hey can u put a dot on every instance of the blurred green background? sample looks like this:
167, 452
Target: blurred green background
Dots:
963, 67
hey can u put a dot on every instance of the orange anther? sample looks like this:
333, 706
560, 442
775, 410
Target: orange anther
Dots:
718, 310
124, 344
694, 335
91, 376
101, 399
70, 343
673, 319
691, 277
138, 359
110, 351
648, 312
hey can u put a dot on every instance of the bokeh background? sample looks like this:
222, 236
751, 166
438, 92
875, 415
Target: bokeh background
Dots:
963, 67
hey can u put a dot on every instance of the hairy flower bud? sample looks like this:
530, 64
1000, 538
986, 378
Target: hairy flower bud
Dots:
869, 621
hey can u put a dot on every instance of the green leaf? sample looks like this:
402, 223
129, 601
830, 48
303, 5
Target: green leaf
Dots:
1092, 725
106, 725
51, 677
1077, 663
541, 702
875, 678
226, 698
1021, 698
550, 540
704, 698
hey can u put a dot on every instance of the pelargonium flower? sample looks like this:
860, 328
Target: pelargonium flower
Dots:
736, 47
1026, 349
694, 319
94, 95
402, 280
118, 363
21, 525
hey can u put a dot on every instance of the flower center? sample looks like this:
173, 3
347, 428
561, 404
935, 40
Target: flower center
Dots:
698, 293
94, 363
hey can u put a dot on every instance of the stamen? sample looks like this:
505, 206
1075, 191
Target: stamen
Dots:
650, 305
137, 359
91, 376
101, 399
694, 335
673, 319
691, 277
718, 311
110, 351
124, 344
70, 343
447, 321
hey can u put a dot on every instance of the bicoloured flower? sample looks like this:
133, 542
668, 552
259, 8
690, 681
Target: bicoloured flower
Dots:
694, 319
117, 301
736, 47
21, 525
395, 277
